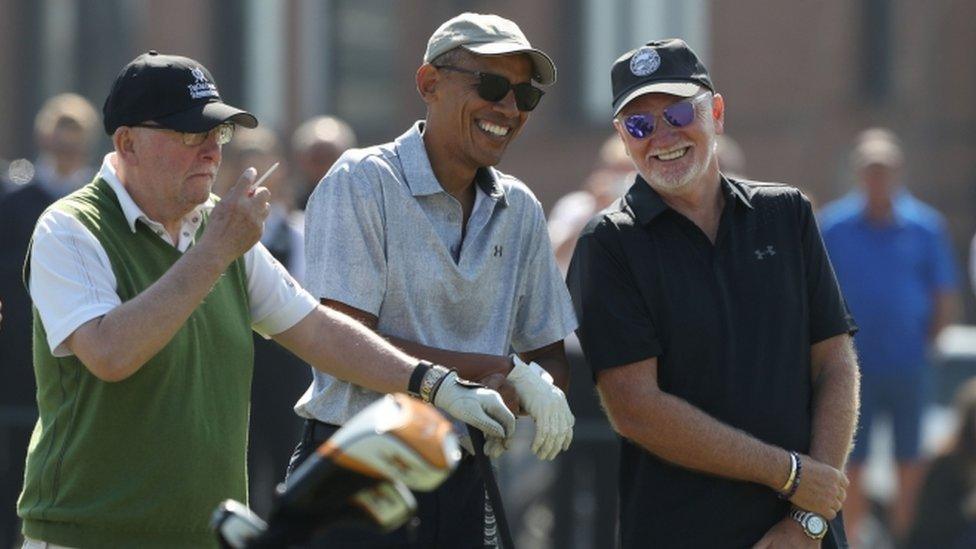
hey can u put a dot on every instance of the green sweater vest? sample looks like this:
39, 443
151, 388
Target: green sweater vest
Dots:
144, 461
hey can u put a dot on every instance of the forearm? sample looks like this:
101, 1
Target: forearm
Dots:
835, 402
553, 359
338, 345
684, 435
116, 345
473, 366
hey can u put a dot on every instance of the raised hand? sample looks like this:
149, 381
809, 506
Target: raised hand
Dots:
237, 221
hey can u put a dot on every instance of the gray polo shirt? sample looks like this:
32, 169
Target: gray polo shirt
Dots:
384, 237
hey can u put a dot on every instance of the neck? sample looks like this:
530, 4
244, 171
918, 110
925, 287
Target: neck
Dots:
700, 195
701, 202
880, 211
454, 176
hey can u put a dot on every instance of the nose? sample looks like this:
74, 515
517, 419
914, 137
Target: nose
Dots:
209, 149
507, 105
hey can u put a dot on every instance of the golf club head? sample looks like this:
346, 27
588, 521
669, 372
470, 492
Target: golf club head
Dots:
388, 505
361, 475
235, 524
398, 438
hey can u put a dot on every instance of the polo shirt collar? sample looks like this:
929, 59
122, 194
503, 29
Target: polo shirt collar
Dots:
130, 209
647, 204
420, 176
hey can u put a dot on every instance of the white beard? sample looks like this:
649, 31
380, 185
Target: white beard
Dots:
672, 183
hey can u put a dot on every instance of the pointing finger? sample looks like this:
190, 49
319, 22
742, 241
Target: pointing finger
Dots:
244, 181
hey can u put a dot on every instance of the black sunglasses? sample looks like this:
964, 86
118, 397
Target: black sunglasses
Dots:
494, 88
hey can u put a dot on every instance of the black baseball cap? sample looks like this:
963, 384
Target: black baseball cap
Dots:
173, 91
662, 66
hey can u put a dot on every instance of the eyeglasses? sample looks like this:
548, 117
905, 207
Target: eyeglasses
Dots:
494, 88
678, 115
224, 133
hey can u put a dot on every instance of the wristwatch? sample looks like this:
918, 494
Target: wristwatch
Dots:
814, 525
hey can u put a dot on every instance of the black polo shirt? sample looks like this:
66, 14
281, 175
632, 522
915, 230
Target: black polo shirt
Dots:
731, 325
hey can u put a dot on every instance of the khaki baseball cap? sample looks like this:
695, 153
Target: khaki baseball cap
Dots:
488, 35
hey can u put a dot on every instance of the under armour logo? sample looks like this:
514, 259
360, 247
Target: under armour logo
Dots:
768, 252
496, 251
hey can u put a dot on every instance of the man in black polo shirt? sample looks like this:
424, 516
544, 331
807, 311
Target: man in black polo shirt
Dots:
716, 331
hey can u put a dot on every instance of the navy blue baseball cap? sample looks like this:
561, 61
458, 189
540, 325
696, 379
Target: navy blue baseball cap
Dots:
173, 91
661, 66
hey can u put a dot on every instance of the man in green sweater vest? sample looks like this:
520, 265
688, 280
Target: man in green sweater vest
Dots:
145, 290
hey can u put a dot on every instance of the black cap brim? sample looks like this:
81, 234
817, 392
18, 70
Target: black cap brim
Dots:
206, 116
679, 89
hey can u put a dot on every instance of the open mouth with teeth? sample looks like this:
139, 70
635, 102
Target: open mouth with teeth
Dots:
493, 130
673, 154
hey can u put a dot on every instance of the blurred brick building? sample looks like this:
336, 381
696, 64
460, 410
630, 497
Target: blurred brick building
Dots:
800, 78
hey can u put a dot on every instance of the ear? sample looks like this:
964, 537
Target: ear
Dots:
718, 113
427, 78
125, 144
622, 134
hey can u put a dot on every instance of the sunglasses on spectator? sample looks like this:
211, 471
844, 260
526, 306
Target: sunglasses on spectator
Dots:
494, 88
678, 115
223, 132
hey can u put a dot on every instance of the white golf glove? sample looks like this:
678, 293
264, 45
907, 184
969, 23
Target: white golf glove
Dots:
547, 405
475, 405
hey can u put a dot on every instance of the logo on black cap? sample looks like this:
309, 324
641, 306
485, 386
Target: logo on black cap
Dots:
202, 87
645, 61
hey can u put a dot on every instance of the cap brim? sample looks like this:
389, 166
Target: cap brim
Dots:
680, 89
545, 68
206, 116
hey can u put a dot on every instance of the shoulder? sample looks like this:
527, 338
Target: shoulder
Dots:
517, 193
611, 222
363, 165
921, 214
765, 193
360, 172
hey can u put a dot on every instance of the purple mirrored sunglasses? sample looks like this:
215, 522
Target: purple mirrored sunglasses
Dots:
641, 125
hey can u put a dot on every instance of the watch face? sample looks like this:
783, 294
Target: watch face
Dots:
816, 525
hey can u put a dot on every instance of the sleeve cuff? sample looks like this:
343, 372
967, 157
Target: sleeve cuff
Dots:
297, 308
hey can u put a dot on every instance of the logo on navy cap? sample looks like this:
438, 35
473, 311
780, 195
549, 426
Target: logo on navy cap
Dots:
645, 61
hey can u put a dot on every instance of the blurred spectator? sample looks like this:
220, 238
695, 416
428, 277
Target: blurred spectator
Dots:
278, 374
315, 146
946, 511
895, 266
65, 130
607, 182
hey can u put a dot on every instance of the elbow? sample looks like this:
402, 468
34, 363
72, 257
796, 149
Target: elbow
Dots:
624, 424
110, 369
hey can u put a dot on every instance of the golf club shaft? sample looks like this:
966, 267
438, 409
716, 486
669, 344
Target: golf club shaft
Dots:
491, 485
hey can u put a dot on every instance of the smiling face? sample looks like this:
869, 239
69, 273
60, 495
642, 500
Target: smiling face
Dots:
473, 131
674, 159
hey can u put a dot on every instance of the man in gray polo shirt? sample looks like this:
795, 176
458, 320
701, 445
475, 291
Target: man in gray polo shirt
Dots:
448, 258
